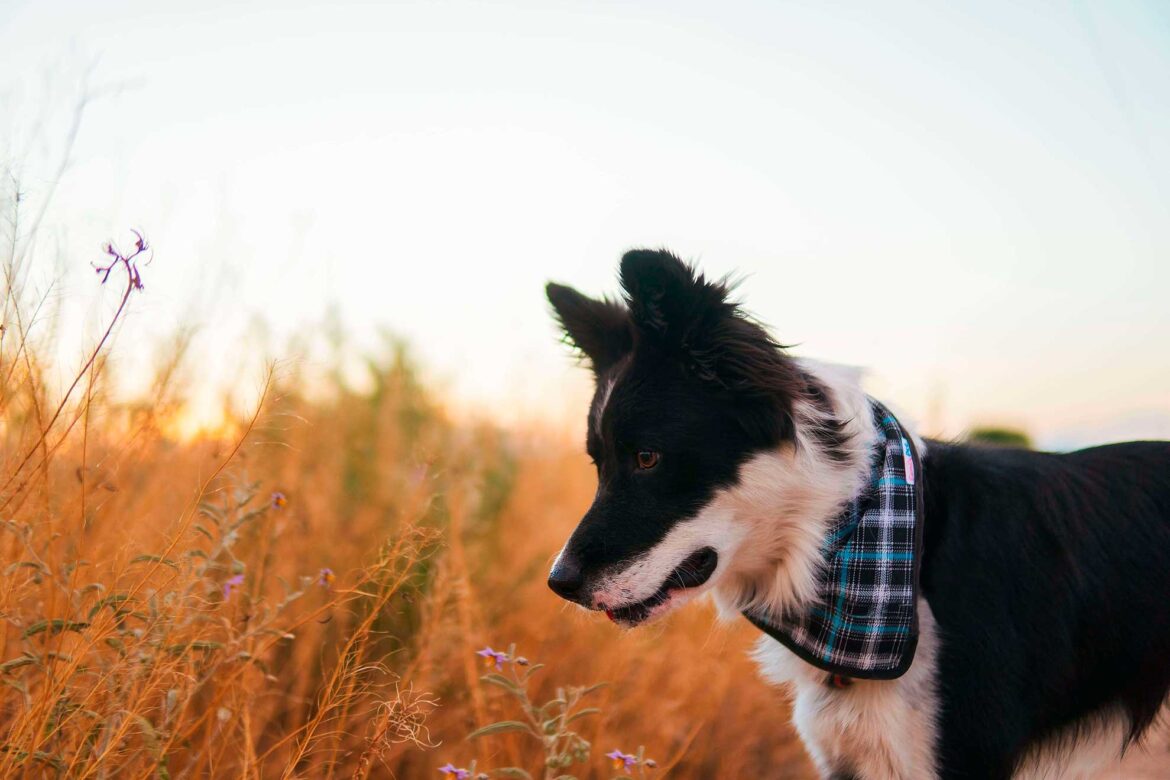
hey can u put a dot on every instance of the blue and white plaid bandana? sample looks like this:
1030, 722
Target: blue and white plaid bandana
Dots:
865, 623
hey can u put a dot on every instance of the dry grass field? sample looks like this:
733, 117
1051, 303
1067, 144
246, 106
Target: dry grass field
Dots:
306, 592
303, 593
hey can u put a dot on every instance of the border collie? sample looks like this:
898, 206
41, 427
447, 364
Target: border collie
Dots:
1040, 593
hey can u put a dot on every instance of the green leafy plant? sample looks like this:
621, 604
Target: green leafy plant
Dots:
552, 723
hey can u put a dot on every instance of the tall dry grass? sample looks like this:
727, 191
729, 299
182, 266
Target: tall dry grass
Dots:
302, 594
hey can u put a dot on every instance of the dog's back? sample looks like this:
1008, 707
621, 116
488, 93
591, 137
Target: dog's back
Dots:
1049, 578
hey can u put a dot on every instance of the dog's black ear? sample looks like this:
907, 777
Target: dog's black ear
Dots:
600, 329
668, 300
692, 318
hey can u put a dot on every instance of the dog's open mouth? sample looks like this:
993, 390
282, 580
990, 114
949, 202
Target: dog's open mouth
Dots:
691, 573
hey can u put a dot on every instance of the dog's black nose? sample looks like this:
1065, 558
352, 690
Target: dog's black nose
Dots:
566, 579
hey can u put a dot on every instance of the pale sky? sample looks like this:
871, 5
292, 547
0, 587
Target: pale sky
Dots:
972, 201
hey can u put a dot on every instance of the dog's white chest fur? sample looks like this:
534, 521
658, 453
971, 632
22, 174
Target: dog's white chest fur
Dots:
874, 729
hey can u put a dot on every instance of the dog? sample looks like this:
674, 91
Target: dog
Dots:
1040, 636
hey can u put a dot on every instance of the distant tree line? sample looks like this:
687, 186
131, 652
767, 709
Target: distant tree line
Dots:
1000, 437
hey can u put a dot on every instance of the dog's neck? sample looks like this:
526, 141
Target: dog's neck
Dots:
786, 499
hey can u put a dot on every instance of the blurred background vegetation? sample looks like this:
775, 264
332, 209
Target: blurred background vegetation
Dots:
1000, 436
301, 594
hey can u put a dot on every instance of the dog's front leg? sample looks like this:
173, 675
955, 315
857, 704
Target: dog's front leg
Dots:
866, 729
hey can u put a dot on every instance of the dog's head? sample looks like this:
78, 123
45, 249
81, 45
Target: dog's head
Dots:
688, 389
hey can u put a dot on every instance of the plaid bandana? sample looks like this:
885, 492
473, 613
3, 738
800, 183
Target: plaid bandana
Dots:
865, 623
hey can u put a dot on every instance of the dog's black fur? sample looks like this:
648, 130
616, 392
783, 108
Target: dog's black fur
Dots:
1049, 578
1048, 574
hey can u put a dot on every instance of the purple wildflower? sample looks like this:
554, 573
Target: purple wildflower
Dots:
325, 577
450, 770
127, 261
279, 500
490, 657
621, 760
231, 584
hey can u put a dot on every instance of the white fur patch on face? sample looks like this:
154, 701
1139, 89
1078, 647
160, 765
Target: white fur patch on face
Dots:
876, 729
605, 392
713, 527
783, 509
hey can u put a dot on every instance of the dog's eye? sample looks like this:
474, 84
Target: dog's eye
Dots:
647, 459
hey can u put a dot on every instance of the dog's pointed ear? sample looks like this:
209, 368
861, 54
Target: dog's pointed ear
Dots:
599, 329
667, 299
